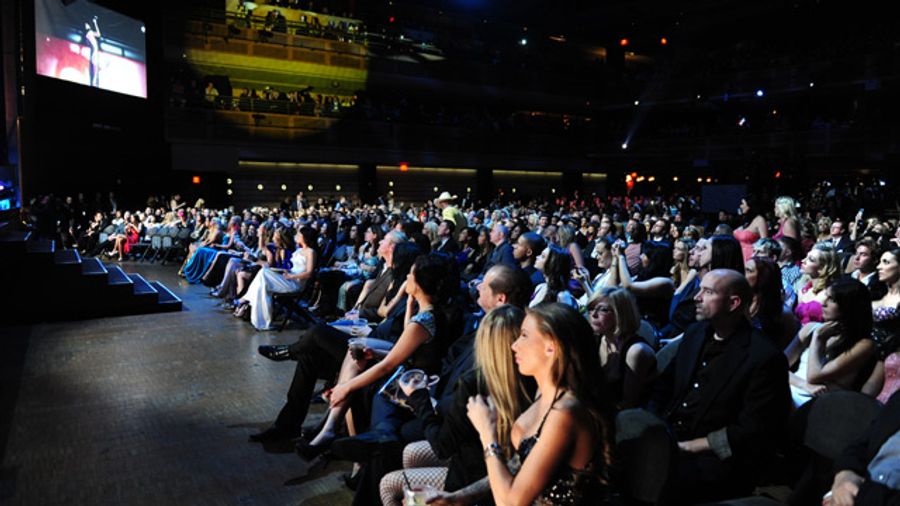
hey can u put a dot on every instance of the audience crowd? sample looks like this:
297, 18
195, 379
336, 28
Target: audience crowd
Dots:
485, 353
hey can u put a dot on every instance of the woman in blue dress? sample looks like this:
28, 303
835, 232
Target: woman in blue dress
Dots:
203, 256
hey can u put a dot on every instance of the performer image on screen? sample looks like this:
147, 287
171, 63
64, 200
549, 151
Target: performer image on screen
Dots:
93, 37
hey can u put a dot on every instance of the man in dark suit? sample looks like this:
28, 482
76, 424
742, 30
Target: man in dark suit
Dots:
446, 243
503, 252
842, 244
725, 394
867, 469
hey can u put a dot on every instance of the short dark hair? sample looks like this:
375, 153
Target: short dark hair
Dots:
512, 282
450, 225
535, 242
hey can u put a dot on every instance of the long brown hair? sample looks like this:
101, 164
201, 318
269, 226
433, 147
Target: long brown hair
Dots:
577, 369
494, 359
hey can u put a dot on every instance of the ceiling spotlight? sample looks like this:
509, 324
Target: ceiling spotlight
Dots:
675, 178
230, 191
811, 84
259, 187
337, 187
637, 102
228, 180
759, 93
523, 42
309, 187
284, 187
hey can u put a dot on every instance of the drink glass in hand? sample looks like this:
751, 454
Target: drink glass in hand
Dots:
417, 495
357, 348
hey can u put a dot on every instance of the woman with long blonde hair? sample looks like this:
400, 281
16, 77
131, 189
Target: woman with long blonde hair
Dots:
788, 220
561, 448
452, 436
819, 269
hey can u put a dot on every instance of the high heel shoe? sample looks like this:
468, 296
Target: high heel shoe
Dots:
310, 451
242, 310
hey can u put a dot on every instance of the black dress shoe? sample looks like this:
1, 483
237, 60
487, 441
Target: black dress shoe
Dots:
276, 352
351, 480
363, 447
310, 451
271, 434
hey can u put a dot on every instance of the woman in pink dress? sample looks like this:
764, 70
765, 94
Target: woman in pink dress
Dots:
820, 268
788, 220
753, 229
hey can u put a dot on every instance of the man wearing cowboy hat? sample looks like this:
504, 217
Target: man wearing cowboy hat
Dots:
446, 203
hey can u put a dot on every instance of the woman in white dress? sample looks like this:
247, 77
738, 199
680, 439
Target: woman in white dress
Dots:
258, 299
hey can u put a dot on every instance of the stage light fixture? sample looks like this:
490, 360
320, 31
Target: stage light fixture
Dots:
663, 41
760, 93
637, 102
404, 166
228, 181
337, 187
435, 189
675, 178
811, 84
309, 187
523, 42
391, 184
230, 191
195, 179
259, 187
624, 145
284, 187
623, 42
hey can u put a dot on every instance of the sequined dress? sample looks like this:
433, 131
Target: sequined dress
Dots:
884, 332
567, 487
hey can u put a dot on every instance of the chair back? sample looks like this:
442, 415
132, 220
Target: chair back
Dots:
645, 450
836, 419
666, 355
648, 333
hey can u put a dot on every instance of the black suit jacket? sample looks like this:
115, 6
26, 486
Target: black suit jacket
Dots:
857, 456
451, 247
368, 307
748, 399
843, 247
502, 254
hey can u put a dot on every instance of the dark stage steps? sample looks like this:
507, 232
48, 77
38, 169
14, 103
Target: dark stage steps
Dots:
45, 283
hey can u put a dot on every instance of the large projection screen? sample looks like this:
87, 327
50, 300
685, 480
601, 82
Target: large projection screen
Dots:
90, 45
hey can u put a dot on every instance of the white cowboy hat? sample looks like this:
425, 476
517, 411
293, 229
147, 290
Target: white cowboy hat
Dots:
445, 196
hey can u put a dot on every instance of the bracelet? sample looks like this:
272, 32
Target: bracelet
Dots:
492, 450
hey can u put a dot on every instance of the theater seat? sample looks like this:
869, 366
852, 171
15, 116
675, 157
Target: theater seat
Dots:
645, 451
